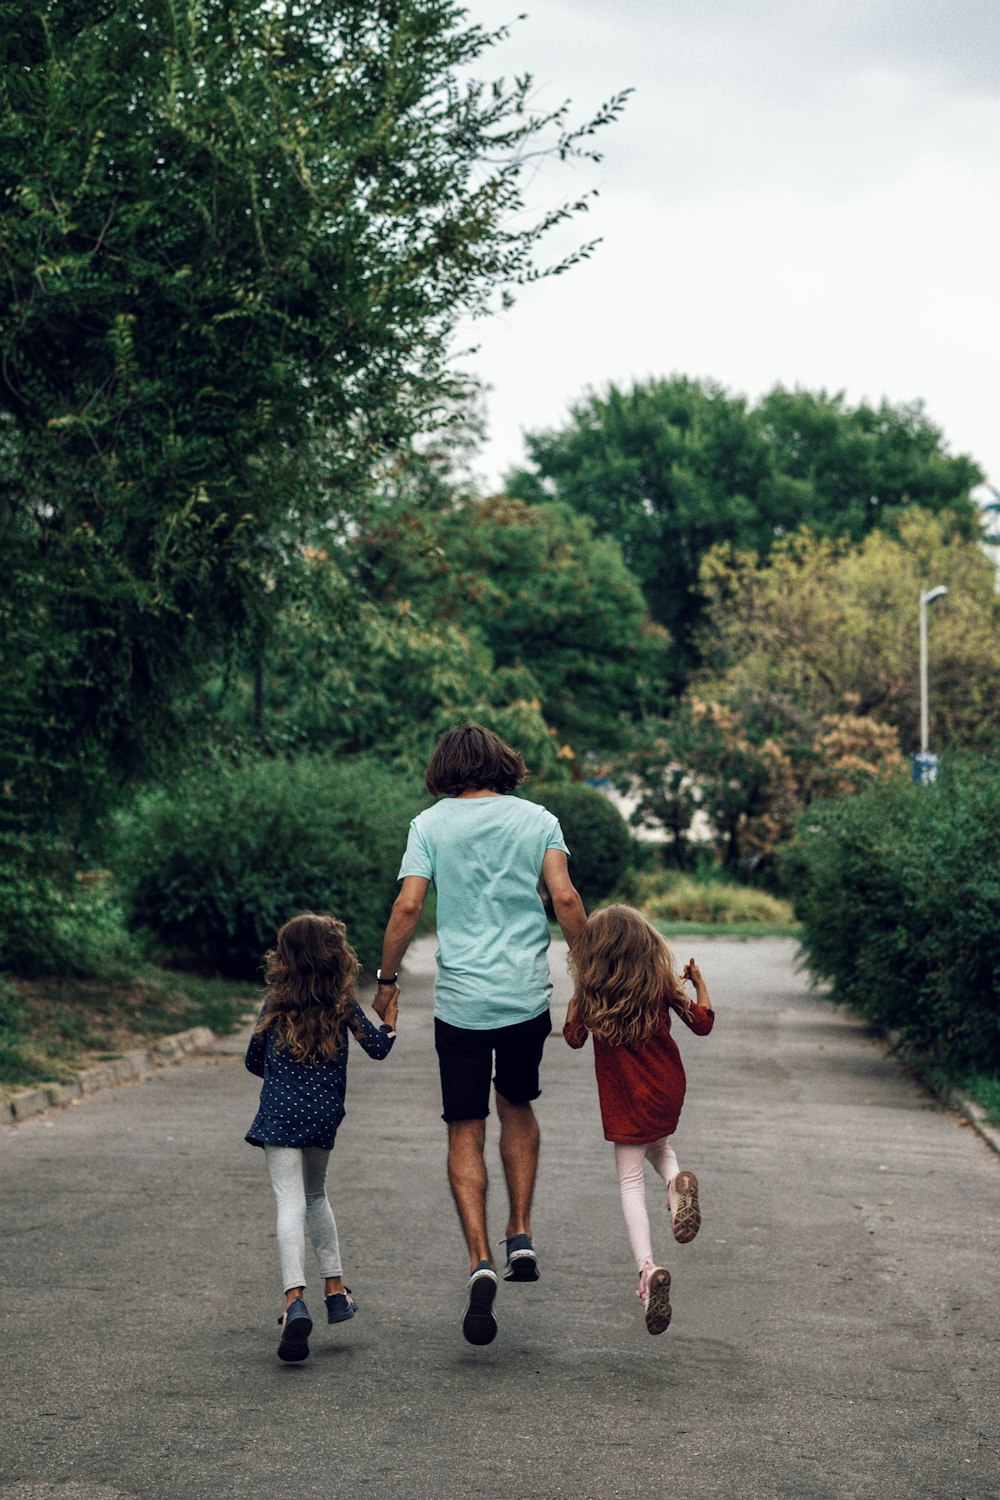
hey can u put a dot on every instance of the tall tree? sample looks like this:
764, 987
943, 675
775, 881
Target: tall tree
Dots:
672, 467
233, 232
539, 591
827, 627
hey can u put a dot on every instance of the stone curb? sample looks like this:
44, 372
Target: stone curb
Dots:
970, 1111
125, 1069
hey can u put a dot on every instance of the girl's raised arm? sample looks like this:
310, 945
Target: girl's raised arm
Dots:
700, 1017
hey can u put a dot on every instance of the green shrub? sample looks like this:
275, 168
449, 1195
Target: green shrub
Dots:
213, 866
598, 837
679, 898
898, 890
72, 926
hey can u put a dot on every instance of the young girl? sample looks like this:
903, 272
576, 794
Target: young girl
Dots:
625, 989
299, 1048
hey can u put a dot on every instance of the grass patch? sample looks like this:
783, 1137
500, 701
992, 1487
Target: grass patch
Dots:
727, 929
676, 898
984, 1088
52, 1027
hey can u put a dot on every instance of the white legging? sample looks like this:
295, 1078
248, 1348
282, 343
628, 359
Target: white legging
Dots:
298, 1176
630, 1163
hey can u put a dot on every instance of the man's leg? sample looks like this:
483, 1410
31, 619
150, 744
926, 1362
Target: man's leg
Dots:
468, 1180
467, 1175
519, 1055
519, 1142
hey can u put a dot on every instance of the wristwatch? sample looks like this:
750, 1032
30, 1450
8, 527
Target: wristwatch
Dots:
380, 979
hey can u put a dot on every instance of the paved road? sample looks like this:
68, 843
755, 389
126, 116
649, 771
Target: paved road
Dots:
836, 1322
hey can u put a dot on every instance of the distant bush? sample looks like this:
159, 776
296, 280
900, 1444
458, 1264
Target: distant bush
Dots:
898, 890
598, 837
71, 926
679, 898
212, 867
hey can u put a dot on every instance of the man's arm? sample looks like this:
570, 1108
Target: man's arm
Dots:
399, 930
563, 894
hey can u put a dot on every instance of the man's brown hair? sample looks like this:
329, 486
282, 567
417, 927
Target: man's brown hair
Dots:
469, 757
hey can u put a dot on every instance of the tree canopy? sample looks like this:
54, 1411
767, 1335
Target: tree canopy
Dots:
236, 240
827, 627
537, 589
672, 467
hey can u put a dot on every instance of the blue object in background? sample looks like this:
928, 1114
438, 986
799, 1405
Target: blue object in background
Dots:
925, 767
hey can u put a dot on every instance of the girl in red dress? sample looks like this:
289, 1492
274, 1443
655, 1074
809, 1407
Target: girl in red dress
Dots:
625, 988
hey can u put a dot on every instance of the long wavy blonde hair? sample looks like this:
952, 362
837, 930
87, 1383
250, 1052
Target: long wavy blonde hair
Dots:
311, 975
624, 976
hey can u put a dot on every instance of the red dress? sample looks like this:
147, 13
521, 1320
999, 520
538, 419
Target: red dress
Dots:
641, 1088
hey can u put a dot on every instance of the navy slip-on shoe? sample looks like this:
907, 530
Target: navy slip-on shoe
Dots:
340, 1306
479, 1321
522, 1262
296, 1326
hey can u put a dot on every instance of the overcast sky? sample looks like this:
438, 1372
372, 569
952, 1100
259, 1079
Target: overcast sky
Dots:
800, 191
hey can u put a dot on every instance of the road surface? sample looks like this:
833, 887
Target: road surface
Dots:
836, 1331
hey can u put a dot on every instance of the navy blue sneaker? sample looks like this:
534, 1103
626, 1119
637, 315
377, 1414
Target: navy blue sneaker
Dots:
340, 1306
522, 1262
479, 1322
296, 1326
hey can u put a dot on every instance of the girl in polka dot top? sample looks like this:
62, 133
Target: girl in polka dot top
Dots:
299, 1048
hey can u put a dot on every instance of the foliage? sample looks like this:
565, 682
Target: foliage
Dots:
236, 241
702, 761
61, 925
597, 835
680, 898
898, 891
538, 590
985, 1090
671, 468
825, 626
213, 866
730, 771
350, 674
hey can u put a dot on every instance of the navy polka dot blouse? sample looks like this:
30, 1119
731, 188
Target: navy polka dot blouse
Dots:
302, 1104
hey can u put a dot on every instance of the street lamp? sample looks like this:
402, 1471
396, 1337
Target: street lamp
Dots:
925, 599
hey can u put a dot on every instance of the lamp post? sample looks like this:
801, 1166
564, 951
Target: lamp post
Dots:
925, 599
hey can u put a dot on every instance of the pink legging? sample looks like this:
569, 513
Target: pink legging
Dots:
630, 1163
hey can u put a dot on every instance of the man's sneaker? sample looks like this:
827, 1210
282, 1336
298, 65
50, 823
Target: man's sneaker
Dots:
296, 1326
654, 1291
522, 1262
340, 1306
685, 1216
479, 1322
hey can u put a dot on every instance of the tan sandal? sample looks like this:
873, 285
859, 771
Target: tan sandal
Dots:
685, 1217
654, 1289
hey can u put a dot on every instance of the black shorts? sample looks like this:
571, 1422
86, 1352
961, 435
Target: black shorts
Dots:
466, 1060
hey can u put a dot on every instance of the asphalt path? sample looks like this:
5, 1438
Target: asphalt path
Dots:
836, 1331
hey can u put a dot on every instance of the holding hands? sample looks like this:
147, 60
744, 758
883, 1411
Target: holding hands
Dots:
386, 1004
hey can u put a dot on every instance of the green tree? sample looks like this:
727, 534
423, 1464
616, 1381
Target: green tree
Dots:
236, 240
537, 589
827, 627
746, 775
670, 468
345, 672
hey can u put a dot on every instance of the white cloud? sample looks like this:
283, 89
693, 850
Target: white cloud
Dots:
842, 235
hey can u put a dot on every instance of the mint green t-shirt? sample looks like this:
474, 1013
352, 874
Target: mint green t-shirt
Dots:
484, 855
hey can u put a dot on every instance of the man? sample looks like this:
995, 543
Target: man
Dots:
486, 852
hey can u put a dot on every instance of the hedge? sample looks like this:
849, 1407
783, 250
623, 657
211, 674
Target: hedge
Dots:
599, 839
898, 891
212, 867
